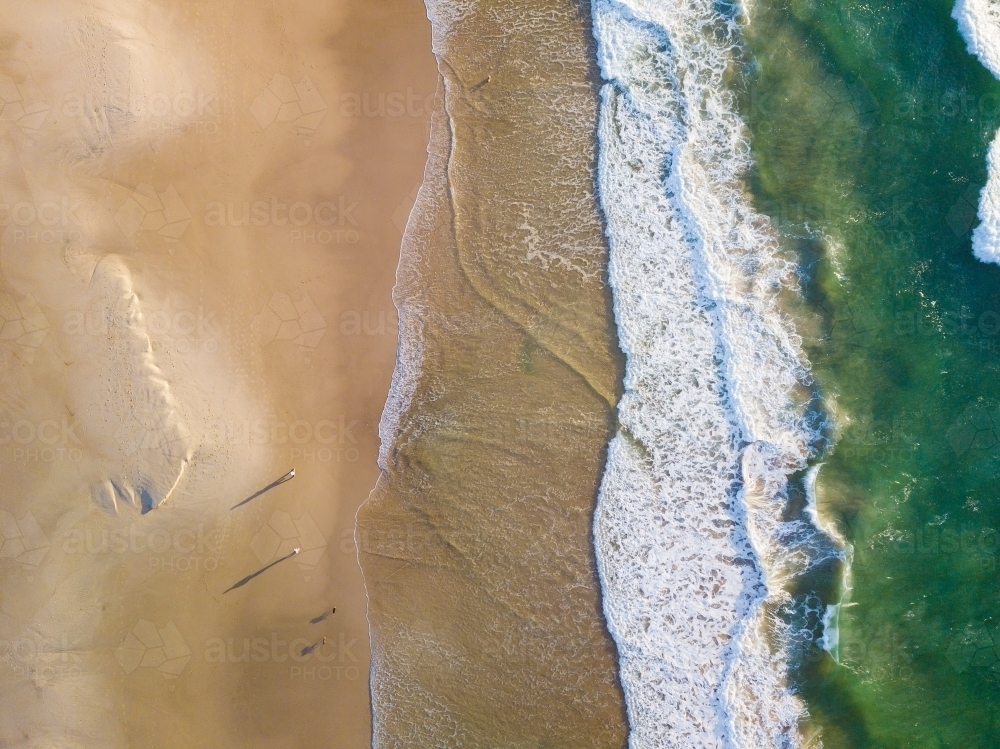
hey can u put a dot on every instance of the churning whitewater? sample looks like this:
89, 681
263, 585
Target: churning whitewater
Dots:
979, 23
694, 546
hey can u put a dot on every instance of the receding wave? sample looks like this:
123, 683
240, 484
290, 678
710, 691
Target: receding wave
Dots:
698, 539
476, 542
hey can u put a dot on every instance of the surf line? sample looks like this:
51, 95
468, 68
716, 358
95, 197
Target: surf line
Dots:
716, 421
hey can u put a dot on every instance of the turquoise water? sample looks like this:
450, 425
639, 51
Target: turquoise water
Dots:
870, 124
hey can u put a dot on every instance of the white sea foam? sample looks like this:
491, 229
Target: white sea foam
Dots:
410, 291
812, 508
979, 22
693, 546
830, 640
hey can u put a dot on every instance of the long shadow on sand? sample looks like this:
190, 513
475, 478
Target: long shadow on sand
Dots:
261, 571
287, 477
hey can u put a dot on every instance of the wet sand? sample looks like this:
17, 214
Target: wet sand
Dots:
203, 209
476, 543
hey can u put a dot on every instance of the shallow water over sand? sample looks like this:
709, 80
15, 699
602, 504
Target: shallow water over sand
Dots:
476, 543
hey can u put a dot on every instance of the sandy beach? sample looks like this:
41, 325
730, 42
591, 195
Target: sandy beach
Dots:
202, 205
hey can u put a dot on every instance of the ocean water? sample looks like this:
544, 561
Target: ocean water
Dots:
870, 129
695, 428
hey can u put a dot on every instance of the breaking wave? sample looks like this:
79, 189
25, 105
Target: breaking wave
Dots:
698, 535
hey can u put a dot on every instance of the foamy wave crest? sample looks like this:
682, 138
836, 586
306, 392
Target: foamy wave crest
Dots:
694, 546
979, 22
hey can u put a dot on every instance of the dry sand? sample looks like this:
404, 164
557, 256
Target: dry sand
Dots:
202, 207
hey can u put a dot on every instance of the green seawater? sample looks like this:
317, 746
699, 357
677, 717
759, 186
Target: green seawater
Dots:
870, 124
